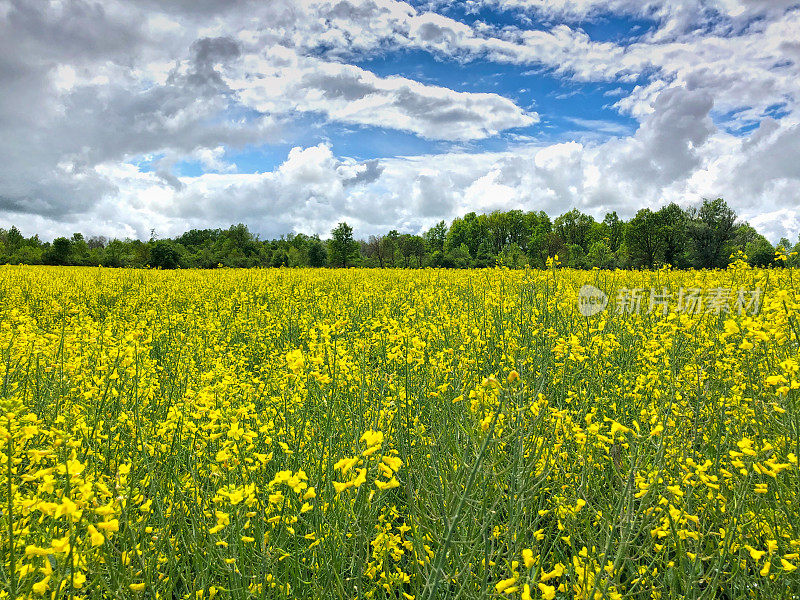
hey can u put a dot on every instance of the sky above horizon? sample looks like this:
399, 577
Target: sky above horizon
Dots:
122, 117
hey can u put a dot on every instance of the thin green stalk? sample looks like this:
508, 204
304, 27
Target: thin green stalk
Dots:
434, 577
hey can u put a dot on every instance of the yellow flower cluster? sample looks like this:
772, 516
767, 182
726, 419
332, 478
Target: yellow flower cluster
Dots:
395, 434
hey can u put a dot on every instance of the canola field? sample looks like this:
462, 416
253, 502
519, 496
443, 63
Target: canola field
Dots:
398, 434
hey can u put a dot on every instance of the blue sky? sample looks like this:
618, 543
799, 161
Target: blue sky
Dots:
292, 116
568, 111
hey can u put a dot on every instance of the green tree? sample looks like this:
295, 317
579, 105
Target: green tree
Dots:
615, 229
27, 255
114, 254
237, 247
80, 250
512, 256
411, 246
389, 246
760, 252
197, 238
343, 248
575, 228
280, 258
373, 250
317, 254
643, 239
435, 237
711, 233
457, 258
576, 257
471, 230
673, 223
541, 239
60, 252
745, 233
14, 240
600, 255
165, 254
784, 247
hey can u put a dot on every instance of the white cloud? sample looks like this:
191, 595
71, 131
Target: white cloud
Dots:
748, 59
312, 189
282, 81
674, 16
88, 86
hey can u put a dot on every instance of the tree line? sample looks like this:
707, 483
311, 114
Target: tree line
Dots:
700, 237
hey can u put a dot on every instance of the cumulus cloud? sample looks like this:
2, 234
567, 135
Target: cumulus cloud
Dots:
346, 93
91, 87
675, 16
744, 52
88, 83
666, 146
313, 189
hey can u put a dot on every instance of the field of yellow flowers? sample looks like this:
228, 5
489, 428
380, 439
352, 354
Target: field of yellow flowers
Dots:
396, 434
